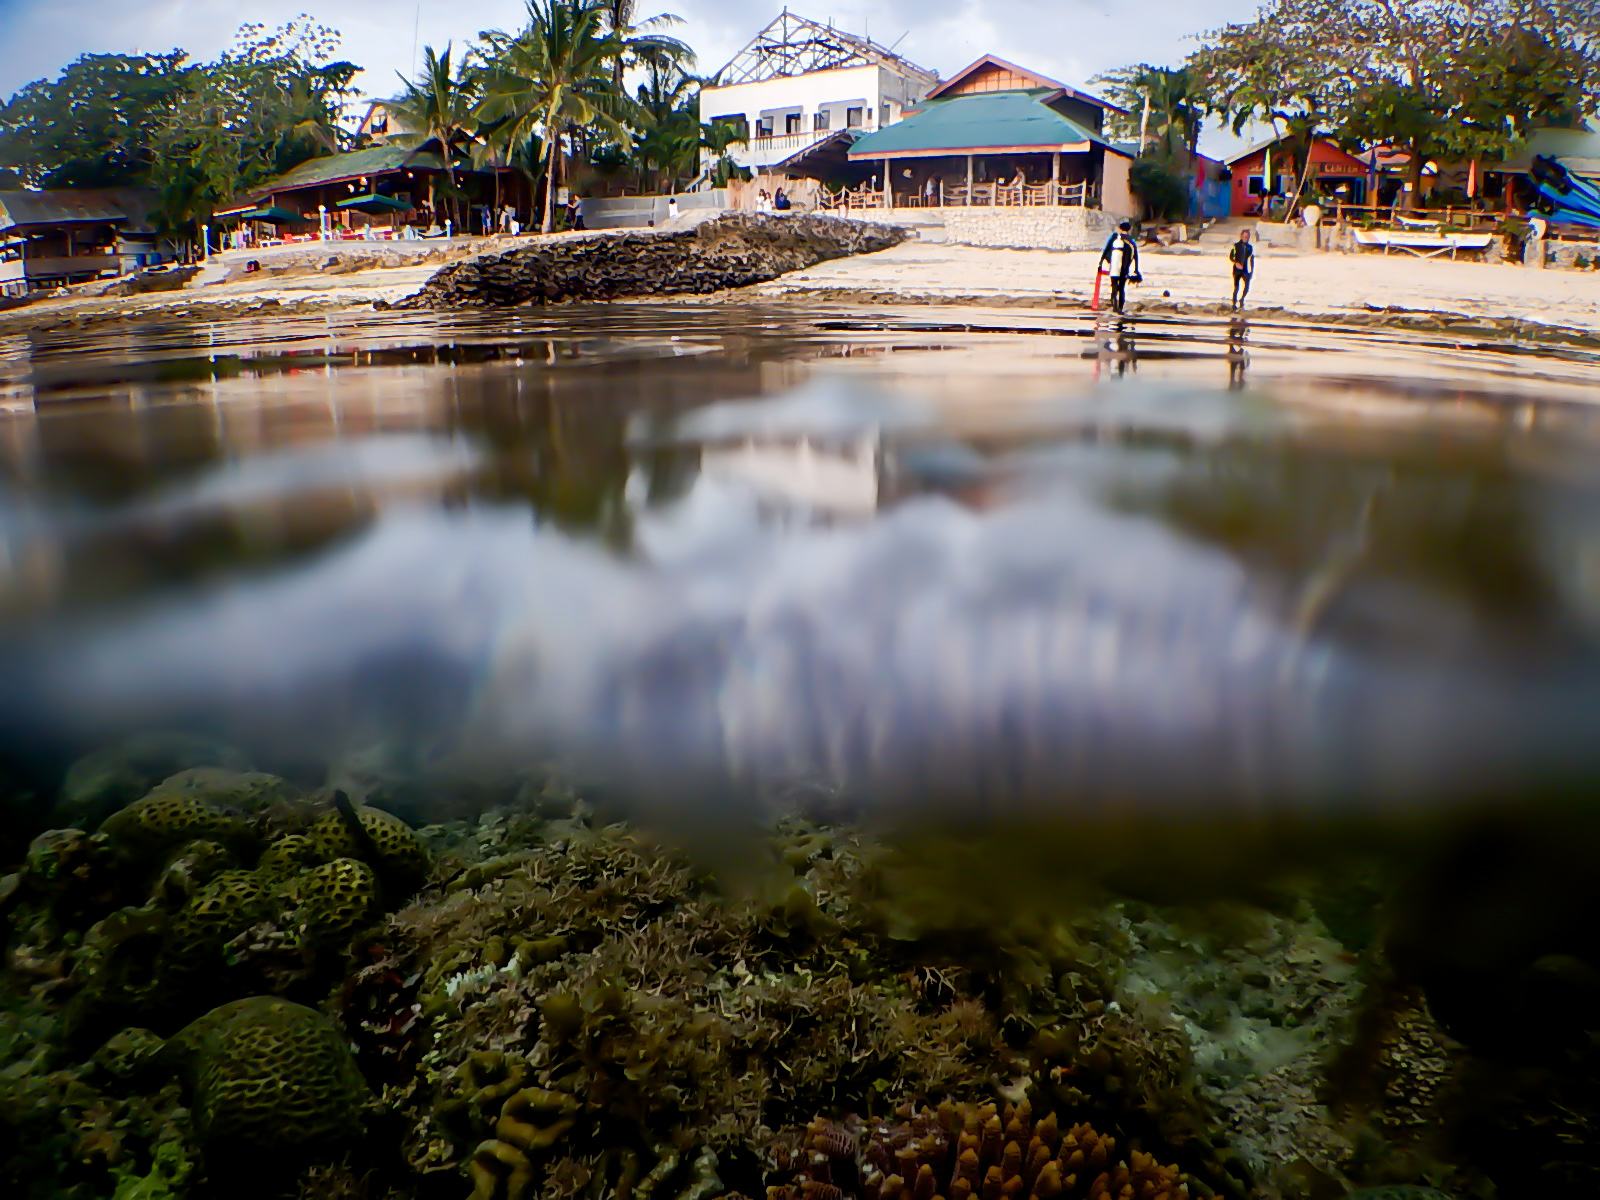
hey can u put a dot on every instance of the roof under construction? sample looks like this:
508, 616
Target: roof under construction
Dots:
796, 45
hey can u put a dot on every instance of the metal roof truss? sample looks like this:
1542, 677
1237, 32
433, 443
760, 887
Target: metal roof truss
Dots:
796, 45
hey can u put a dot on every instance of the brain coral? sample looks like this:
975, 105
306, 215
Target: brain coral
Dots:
164, 819
332, 901
384, 840
267, 1074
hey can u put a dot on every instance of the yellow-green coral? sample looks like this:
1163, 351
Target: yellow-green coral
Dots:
386, 841
268, 1074
164, 819
288, 856
221, 910
242, 791
334, 900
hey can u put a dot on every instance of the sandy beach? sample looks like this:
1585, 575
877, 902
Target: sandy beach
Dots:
1295, 283
1346, 288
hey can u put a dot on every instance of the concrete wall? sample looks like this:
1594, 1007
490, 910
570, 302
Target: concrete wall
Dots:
1028, 228
1116, 190
636, 212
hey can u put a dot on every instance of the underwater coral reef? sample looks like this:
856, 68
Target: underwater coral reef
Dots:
219, 981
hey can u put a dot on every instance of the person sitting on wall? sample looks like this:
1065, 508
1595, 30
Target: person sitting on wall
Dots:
780, 201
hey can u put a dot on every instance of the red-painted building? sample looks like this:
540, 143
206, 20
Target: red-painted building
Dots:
1333, 172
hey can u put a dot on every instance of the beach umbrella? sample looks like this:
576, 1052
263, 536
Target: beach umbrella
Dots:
270, 213
374, 205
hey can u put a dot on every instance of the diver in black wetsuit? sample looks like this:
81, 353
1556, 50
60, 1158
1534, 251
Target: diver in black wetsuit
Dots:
1243, 257
1120, 259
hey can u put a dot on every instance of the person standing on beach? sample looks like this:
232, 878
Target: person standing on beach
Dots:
1243, 257
1120, 259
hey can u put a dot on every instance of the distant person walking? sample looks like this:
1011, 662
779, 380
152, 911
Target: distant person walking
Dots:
1243, 257
1120, 260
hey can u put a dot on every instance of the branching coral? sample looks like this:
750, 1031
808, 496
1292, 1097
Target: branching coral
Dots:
973, 1151
960, 1152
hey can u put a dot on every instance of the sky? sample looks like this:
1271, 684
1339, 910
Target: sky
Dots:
1070, 40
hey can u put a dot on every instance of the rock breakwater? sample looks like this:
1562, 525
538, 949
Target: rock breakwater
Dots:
733, 251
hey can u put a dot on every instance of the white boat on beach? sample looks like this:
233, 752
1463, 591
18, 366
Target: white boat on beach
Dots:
1422, 243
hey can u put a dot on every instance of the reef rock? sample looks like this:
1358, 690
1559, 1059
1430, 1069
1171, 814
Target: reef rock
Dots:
732, 251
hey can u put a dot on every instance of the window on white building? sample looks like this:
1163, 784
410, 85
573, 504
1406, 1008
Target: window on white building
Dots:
764, 127
791, 123
820, 121
852, 118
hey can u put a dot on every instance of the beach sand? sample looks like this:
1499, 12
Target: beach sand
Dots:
1367, 288
1307, 284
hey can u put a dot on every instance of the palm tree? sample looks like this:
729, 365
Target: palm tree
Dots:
556, 75
719, 137
669, 119
437, 107
1175, 107
643, 43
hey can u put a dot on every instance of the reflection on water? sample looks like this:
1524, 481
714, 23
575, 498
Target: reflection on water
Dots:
883, 550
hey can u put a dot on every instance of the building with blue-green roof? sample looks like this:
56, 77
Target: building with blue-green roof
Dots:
997, 134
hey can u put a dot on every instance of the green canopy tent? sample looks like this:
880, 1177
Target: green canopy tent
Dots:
269, 213
374, 205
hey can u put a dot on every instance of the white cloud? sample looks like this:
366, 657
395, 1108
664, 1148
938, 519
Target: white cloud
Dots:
1069, 39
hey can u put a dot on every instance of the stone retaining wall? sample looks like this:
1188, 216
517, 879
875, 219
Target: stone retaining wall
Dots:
1563, 254
1029, 228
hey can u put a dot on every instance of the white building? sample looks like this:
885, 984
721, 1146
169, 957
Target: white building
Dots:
801, 82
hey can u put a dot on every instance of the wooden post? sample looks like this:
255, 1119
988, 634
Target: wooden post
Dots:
969, 181
888, 184
1055, 178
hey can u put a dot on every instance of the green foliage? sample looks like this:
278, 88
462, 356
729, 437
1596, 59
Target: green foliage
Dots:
94, 126
669, 117
1162, 187
437, 107
553, 78
1437, 77
1177, 106
196, 133
719, 137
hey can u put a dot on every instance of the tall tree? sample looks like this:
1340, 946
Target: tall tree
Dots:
1459, 77
555, 76
643, 43
196, 133
668, 144
1175, 103
94, 125
1273, 71
438, 107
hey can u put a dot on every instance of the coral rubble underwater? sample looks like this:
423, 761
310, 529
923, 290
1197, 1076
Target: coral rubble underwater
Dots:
219, 982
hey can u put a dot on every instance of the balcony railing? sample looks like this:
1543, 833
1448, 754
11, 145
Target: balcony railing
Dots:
782, 145
981, 195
